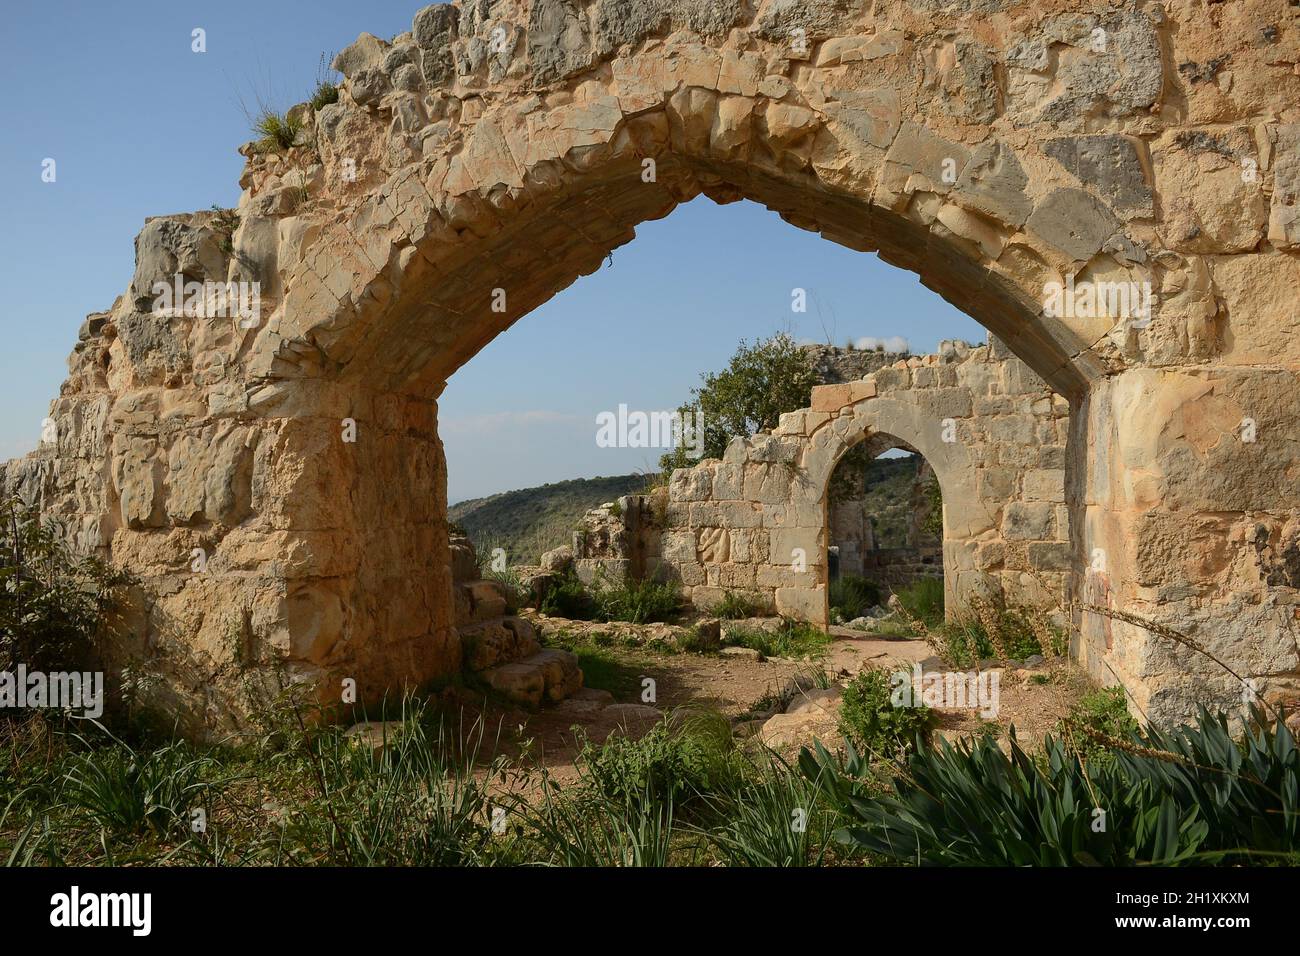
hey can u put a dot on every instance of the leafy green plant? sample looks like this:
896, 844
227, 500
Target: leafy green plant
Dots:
760, 383
638, 602
870, 720
568, 597
686, 755
225, 223
851, 596
128, 792
1097, 715
1192, 795
53, 602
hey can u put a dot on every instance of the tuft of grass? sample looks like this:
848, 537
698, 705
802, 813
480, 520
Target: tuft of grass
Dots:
793, 639
327, 90
276, 132
734, 607
851, 596
129, 792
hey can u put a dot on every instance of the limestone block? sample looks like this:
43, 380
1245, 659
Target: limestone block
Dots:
804, 604
1029, 521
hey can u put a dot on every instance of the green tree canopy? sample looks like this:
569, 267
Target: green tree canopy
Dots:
760, 383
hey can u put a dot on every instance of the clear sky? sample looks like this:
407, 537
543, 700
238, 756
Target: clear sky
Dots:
139, 125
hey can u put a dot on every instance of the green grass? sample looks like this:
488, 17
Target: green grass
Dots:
634, 602
735, 606
851, 596
618, 671
923, 601
276, 132
324, 94
794, 639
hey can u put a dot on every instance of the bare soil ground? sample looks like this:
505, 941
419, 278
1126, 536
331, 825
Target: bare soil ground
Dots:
739, 688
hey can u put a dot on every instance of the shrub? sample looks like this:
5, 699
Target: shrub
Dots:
869, 719
52, 602
1190, 795
225, 223
759, 384
637, 602
685, 756
1098, 713
568, 597
851, 596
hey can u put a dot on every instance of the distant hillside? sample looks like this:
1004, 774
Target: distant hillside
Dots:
888, 498
532, 520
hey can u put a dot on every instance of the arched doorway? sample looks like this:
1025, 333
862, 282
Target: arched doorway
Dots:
455, 186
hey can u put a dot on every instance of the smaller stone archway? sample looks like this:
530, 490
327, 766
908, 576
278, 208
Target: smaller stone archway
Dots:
954, 473
755, 521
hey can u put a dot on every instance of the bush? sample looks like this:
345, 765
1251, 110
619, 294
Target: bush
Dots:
761, 382
851, 596
869, 719
685, 756
1099, 713
637, 602
568, 597
52, 602
1191, 795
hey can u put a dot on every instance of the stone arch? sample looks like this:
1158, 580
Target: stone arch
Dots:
501, 144
885, 423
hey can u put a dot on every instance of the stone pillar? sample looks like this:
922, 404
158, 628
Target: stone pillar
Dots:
1187, 493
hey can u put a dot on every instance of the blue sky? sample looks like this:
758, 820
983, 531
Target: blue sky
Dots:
139, 125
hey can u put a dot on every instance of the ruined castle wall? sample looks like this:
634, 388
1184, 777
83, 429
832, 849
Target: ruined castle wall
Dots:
995, 150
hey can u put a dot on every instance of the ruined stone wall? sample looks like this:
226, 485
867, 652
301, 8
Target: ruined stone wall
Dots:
899, 567
499, 147
756, 520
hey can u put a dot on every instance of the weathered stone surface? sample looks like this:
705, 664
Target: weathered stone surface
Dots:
1074, 222
513, 161
1112, 165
